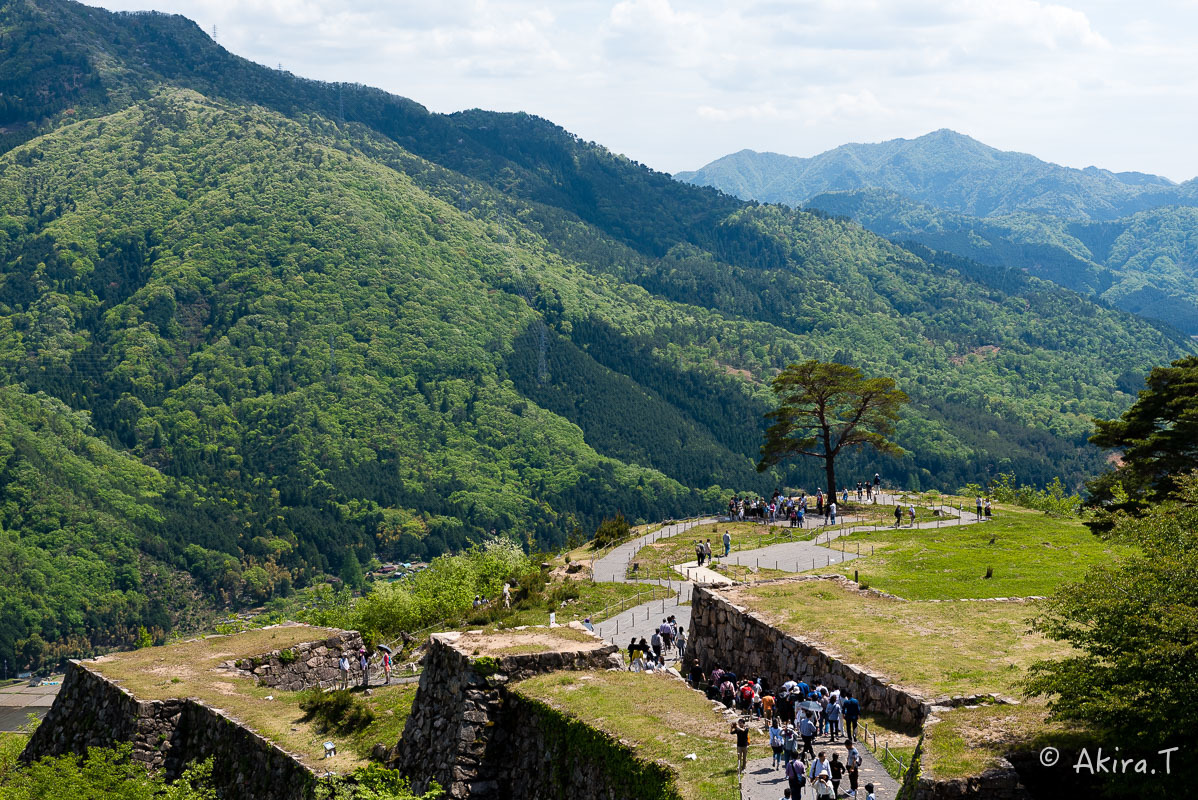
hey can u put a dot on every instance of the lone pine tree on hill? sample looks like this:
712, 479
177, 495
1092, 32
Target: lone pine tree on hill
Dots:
824, 408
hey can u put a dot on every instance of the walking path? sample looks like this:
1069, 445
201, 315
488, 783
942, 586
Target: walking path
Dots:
761, 780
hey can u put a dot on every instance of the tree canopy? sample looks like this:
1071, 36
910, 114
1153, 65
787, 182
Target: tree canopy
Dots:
1157, 439
1134, 626
825, 408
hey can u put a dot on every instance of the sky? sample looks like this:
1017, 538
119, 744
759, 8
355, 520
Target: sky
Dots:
676, 84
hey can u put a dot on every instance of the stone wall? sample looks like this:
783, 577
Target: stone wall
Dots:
305, 665
547, 756
726, 635
92, 711
467, 731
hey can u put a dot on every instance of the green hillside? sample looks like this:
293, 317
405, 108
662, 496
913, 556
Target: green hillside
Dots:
1146, 264
948, 171
80, 525
323, 324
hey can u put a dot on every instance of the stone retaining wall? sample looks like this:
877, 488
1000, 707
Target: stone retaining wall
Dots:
93, 711
466, 733
304, 665
726, 635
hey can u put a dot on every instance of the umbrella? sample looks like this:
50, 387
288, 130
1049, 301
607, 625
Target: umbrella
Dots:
384, 648
810, 705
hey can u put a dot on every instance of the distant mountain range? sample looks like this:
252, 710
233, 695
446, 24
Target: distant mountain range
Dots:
948, 171
1128, 238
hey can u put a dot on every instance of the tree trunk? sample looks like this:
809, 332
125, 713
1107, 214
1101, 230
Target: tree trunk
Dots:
830, 469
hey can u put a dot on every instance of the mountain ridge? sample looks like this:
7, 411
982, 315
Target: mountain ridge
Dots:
947, 170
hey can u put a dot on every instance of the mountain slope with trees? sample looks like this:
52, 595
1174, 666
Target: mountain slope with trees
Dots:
1146, 264
328, 325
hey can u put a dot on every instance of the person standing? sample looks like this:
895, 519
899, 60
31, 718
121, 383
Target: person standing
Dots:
987, 511
680, 644
364, 664
832, 511
656, 643
507, 596
742, 744
387, 665
727, 543
707, 550
979, 508
911, 513
699, 552
898, 515
343, 666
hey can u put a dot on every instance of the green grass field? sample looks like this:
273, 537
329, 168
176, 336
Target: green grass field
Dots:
1032, 554
662, 718
968, 741
935, 648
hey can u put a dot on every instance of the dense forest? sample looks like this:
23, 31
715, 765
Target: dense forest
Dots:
256, 331
1146, 264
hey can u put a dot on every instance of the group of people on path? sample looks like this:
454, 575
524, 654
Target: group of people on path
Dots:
703, 552
363, 661
795, 509
648, 655
798, 714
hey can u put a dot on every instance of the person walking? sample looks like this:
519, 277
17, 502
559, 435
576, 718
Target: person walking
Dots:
707, 551
852, 765
776, 742
911, 513
742, 744
364, 664
387, 665
790, 746
796, 777
898, 515
836, 771
807, 731
680, 644
819, 767
656, 644
833, 711
727, 543
852, 712
832, 511
699, 552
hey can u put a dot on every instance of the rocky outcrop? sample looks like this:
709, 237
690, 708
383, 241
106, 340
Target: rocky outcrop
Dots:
304, 665
475, 738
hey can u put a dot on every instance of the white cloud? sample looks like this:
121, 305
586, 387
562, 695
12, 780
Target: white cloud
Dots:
674, 83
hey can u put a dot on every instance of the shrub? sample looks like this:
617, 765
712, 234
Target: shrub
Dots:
337, 711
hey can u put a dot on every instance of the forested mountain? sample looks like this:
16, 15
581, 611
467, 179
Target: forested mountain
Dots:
1146, 264
947, 171
314, 323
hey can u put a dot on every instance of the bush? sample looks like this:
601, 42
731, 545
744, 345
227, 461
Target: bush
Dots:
337, 711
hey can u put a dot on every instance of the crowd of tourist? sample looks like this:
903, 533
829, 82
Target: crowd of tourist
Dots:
649, 655
796, 510
799, 714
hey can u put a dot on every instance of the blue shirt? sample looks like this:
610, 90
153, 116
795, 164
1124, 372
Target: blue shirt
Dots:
852, 708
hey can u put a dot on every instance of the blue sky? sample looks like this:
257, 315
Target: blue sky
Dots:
675, 84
